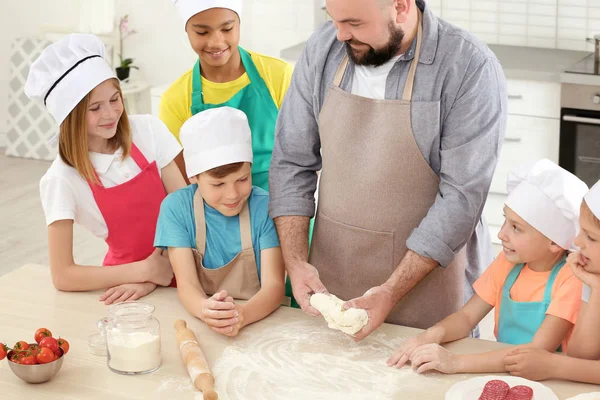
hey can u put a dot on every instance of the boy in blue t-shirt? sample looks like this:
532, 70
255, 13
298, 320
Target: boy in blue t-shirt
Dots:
222, 243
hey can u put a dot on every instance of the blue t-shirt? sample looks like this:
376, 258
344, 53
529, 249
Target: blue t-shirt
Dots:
176, 227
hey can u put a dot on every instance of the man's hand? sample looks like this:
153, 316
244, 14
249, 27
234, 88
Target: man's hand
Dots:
378, 302
305, 282
531, 363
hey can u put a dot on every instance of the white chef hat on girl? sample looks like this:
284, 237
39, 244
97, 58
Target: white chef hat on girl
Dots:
215, 137
66, 72
548, 198
188, 8
592, 199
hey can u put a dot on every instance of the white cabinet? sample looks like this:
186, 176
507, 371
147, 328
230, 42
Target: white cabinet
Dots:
532, 133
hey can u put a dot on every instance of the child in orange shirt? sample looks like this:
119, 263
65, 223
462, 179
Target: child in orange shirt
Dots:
535, 299
583, 361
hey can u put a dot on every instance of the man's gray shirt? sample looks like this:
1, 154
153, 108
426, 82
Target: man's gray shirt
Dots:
458, 115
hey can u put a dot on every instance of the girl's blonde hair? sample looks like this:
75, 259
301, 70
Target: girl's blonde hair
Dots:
73, 138
586, 213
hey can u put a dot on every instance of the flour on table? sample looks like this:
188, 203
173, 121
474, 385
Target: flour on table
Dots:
301, 360
171, 385
348, 321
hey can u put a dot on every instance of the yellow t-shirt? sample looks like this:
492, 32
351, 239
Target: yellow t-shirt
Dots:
176, 102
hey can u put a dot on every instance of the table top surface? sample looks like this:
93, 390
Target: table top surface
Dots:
287, 355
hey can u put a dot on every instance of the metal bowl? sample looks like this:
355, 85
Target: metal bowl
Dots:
36, 373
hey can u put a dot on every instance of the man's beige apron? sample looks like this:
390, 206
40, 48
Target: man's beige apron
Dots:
240, 276
375, 188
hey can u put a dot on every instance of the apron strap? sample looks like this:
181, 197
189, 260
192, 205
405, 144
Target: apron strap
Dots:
200, 222
196, 78
339, 74
245, 228
249, 66
408, 87
138, 157
551, 279
510, 279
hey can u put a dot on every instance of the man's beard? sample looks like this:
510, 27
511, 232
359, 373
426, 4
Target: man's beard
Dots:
378, 57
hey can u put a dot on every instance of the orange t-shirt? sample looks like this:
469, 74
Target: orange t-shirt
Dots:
530, 286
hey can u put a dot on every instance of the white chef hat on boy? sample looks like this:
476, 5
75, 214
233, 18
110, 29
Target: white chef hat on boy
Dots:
215, 137
548, 198
188, 8
66, 72
592, 199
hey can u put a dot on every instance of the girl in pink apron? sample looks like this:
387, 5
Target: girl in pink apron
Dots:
111, 175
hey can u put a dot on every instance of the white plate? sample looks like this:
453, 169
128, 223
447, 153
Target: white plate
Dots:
586, 396
471, 389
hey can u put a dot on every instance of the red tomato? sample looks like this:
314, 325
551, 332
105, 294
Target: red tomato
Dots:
45, 356
50, 343
28, 360
14, 357
34, 348
21, 345
63, 344
41, 333
3, 350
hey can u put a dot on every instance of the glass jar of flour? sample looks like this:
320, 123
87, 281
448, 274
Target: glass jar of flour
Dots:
133, 338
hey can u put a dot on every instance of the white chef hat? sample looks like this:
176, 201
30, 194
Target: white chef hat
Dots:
66, 72
215, 137
592, 199
548, 198
188, 8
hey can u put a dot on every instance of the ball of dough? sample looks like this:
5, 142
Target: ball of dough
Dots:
349, 321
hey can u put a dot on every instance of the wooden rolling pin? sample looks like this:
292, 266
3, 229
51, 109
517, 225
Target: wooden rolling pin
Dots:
194, 361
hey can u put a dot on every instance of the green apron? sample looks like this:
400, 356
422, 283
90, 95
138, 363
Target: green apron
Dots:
256, 102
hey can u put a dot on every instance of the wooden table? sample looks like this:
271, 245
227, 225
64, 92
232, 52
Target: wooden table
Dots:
29, 301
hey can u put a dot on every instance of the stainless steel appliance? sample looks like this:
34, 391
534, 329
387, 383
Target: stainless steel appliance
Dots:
579, 150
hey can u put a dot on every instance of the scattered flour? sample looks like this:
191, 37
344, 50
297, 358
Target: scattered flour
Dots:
177, 385
293, 361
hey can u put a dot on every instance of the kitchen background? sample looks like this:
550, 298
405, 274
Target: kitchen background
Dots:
552, 113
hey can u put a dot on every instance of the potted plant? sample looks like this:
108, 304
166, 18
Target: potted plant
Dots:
125, 63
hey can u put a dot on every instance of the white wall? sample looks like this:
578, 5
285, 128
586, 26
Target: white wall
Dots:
160, 48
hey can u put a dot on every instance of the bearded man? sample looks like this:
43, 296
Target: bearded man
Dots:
404, 115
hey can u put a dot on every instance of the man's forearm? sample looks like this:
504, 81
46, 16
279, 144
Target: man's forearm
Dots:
413, 268
293, 239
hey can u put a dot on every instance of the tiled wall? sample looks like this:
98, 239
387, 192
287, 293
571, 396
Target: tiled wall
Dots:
563, 24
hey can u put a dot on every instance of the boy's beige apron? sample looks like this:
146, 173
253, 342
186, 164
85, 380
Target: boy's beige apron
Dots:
375, 188
240, 276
